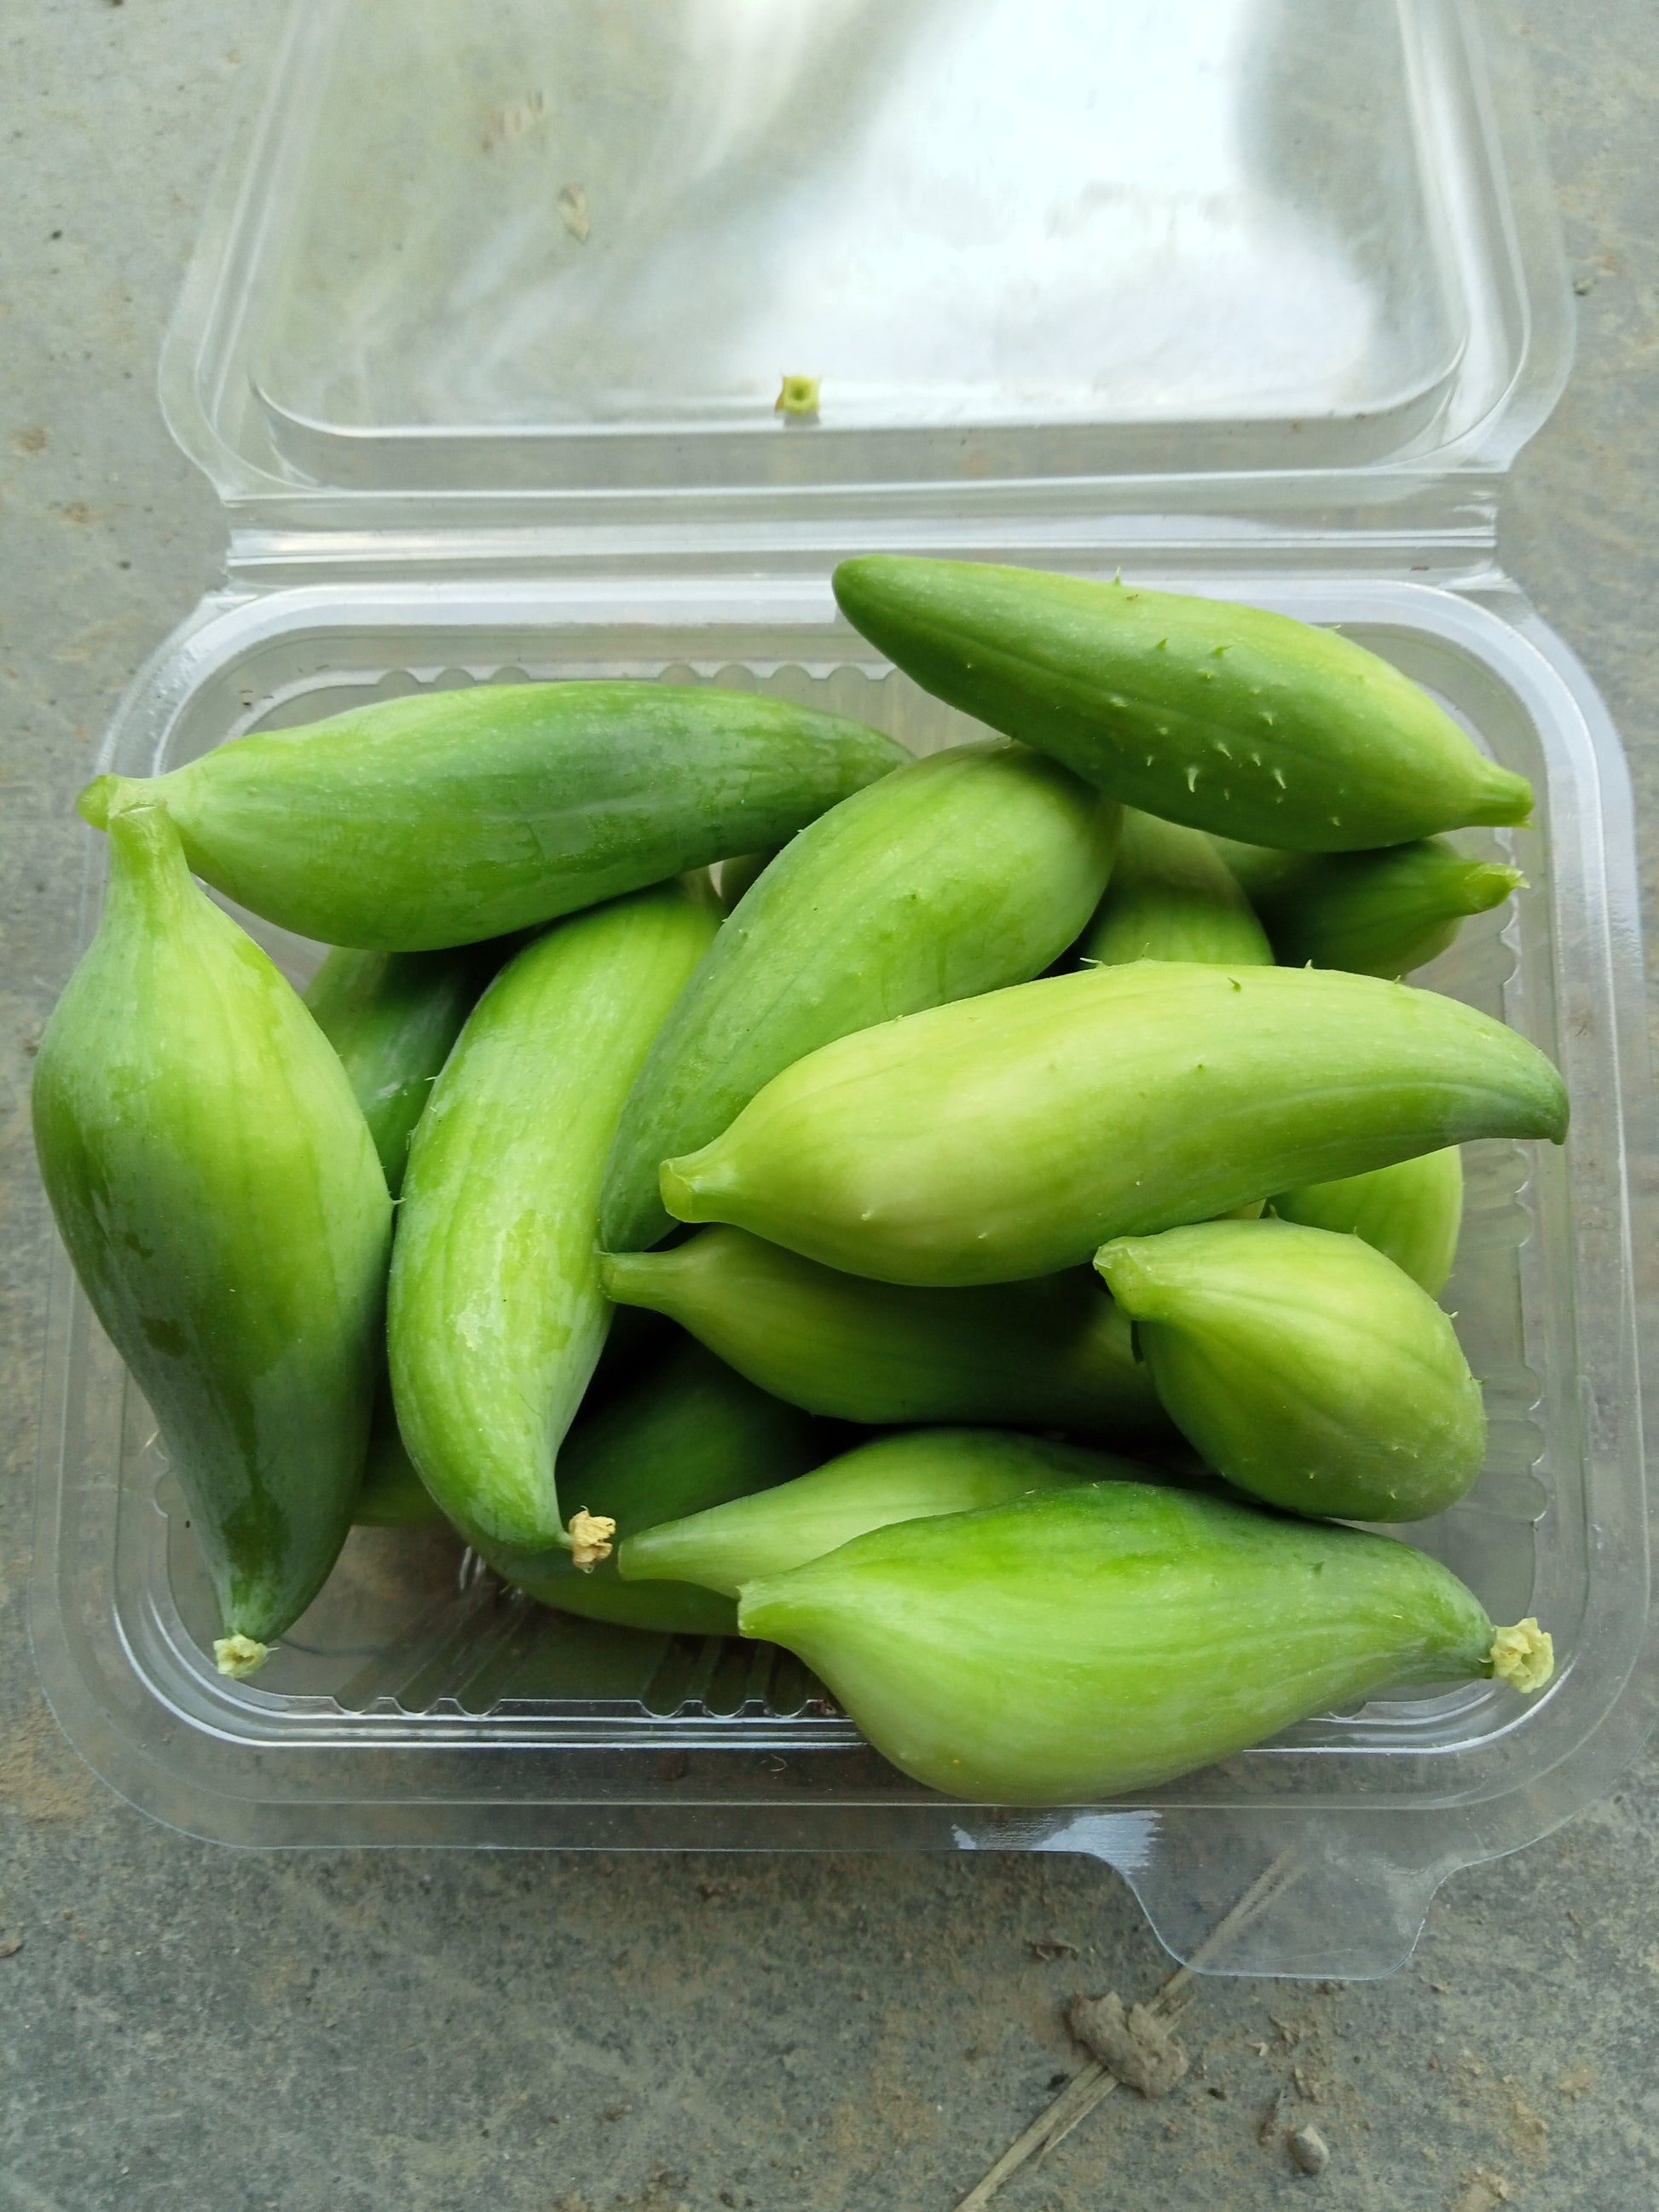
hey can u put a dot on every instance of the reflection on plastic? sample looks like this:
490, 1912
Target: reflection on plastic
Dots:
1123, 1840
953, 211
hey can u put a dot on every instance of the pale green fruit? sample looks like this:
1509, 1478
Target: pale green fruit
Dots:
1303, 1366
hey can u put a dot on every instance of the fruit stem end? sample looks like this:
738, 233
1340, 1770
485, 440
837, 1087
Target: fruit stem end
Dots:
681, 1187
94, 803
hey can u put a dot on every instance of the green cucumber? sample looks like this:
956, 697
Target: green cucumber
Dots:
1303, 1366
1092, 1640
217, 1185
691, 1436
452, 816
1221, 716
963, 871
496, 1318
1412, 1212
1377, 914
1172, 897
902, 1478
392, 1494
1010, 1135
393, 1018
1049, 1354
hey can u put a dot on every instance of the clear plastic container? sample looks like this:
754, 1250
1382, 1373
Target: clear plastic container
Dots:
1253, 297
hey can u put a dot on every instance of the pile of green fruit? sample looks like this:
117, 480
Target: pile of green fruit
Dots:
982, 1068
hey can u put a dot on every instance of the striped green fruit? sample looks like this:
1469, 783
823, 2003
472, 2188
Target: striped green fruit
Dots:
690, 1437
392, 1494
1010, 1135
393, 1017
217, 1185
969, 870
1378, 914
1221, 716
1050, 1354
1172, 897
902, 1478
1303, 1366
1411, 1211
453, 815
1107, 1637
496, 1317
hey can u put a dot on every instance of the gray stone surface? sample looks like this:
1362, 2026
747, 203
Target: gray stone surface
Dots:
183, 2024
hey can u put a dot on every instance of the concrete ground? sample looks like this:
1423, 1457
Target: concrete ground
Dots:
181, 2024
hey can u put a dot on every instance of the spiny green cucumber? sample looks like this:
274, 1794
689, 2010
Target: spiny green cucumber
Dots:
691, 1436
217, 1185
452, 816
1050, 1354
1378, 914
1010, 1135
1411, 1211
902, 1478
1089, 1641
1221, 716
963, 871
1303, 1366
496, 1317
1172, 897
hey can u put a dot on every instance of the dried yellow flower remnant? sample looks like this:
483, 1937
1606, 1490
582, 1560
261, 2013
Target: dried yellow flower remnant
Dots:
800, 396
590, 1538
1524, 1655
239, 1657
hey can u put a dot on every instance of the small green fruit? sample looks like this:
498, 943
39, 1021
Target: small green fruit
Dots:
1303, 1366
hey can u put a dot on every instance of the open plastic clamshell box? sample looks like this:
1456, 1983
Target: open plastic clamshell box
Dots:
1254, 297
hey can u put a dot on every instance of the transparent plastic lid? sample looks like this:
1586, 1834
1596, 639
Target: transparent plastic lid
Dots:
549, 248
